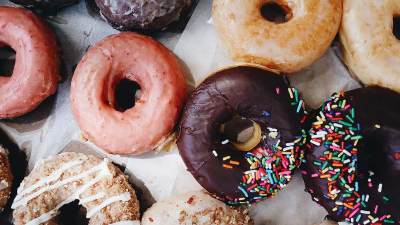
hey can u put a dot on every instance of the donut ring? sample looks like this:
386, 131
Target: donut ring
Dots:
6, 178
352, 167
371, 51
36, 67
163, 92
99, 186
285, 47
253, 93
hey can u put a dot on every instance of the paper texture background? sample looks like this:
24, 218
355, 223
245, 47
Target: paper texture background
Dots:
51, 129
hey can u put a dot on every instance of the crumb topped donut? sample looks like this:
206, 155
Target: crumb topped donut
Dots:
143, 15
134, 58
352, 167
241, 136
6, 177
252, 33
195, 208
36, 70
371, 49
99, 186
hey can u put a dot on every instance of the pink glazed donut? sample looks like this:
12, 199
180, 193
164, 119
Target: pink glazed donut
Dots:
163, 91
36, 70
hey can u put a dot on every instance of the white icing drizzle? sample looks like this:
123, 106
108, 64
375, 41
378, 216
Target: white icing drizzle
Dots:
92, 198
103, 168
3, 185
46, 180
24, 200
127, 222
122, 197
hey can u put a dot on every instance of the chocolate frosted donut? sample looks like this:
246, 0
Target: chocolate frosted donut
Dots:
145, 15
353, 165
232, 174
45, 5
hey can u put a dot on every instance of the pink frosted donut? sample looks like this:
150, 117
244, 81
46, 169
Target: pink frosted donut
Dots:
163, 91
35, 74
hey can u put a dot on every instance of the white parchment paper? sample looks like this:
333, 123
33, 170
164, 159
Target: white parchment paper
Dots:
52, 129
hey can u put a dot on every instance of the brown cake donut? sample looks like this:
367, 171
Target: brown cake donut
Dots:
144, 15
5, 177
99, 186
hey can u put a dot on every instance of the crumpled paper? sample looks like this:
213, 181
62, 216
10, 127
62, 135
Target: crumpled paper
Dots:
51, 128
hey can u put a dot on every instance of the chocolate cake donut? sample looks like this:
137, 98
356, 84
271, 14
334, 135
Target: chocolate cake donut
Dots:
229, 112
142, 15
352, 167
48, 6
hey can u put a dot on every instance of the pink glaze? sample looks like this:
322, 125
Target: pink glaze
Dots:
35, 74
163, 92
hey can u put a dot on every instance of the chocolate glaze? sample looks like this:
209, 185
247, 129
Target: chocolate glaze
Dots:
142, 15
377, 112
245, 91
45, 6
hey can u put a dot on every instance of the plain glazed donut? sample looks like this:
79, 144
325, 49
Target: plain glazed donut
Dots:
99, 186
235, 175
371, 50
195, 208
285, 47
163, 91
36, 67
352, 167
6, 177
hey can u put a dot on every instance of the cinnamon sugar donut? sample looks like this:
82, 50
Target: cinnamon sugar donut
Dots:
162, 83
35, 74
5, 178
99, 186
371, 50
287, 45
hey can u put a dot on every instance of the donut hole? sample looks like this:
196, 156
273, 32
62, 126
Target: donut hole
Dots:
127, 92
72, 214
7, 61
396, 27
276, 13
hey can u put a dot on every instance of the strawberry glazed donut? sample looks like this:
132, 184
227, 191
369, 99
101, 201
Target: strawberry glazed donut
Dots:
36, 70
120, 58
282, 35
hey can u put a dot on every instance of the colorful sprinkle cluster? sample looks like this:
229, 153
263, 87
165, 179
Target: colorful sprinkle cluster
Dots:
271, 167
337, 130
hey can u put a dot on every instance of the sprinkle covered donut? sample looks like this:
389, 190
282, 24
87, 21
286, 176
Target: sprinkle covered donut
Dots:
36, 70
241, 134
133, 58
99, 186
371, 49
352, 167
282, 35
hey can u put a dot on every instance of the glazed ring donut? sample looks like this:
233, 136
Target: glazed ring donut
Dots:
143, 15
36, 67
99, 186
353, 165
6, 178
371, 50
286, 46
163, 92
228, 99
195, 208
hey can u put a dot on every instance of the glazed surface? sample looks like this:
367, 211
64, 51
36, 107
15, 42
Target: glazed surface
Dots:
36, 70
